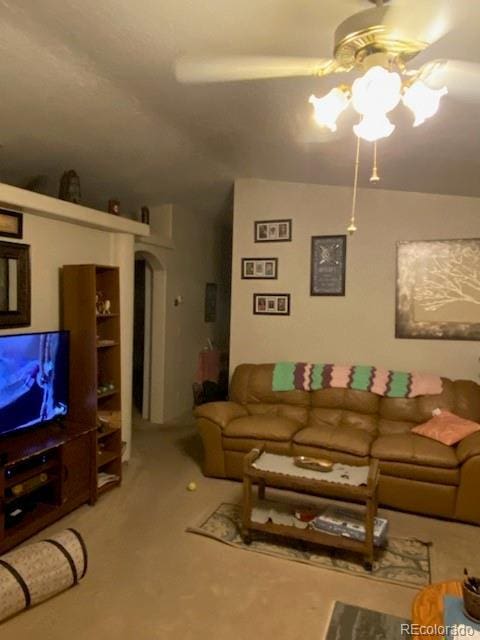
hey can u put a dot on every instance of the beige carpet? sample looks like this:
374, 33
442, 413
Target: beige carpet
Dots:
403, 561
148, 579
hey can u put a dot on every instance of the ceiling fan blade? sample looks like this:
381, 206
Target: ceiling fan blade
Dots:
461, 78
424, 20
234, 68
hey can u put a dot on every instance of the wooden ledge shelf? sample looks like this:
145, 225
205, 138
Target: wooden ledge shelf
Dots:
109, 485
105, 457
108, 432
107, 344
106, 394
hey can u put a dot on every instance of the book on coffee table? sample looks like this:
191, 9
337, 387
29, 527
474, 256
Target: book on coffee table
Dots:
349, 523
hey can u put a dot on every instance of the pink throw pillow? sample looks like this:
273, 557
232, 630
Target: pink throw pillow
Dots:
446, 427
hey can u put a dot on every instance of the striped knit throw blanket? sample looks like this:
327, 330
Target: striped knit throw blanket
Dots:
288, 376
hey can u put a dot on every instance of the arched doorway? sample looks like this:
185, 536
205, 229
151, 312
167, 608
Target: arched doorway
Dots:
149, 336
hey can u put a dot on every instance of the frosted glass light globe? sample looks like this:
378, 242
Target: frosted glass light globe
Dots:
374, 127
422, 101
328, 108
378, 91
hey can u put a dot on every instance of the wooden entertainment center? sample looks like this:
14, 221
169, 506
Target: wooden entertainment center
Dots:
48, 471
45, 473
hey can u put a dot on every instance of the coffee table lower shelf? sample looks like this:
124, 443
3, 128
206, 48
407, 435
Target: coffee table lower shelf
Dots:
309, 535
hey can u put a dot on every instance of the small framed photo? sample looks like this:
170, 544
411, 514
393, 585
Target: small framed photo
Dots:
271, 304
327, 272
259, 268
273, 231
11, 223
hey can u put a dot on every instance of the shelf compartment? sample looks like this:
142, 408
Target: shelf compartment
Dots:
30, 473
106, 487
43, 510
107, 344
45, 483
105, 457
107, 394
108, 432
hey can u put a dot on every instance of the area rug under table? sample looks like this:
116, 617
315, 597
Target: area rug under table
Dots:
355, 623
404, 561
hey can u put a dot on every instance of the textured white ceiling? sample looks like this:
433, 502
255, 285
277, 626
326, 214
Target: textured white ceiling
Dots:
89, 85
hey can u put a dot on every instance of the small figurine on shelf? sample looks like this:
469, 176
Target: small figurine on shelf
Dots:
70, 187
114, 207
107, 307
99, 303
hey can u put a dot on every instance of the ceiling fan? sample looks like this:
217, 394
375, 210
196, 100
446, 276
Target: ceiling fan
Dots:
382, 42
385, 44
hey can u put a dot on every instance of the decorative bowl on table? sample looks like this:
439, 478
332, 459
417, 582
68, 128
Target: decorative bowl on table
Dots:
471, 600
317, 464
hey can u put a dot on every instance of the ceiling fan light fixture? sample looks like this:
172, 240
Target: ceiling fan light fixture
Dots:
422, 101
328, 109
374, 127
378, 91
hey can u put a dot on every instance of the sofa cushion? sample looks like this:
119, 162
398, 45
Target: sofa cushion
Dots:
245, 445
342, 418
253, 383
414, 449
446, 427
342, 438
350, 399
422, 473
262, 427
391, 427
292, 412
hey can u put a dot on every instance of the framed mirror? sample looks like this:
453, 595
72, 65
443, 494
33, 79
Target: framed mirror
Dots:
14, 285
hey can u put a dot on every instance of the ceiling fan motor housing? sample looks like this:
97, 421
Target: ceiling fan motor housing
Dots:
364, 35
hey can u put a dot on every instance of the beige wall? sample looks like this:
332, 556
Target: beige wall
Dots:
196, 257
360, 327
54, 243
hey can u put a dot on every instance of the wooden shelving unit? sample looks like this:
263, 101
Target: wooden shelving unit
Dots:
95, 375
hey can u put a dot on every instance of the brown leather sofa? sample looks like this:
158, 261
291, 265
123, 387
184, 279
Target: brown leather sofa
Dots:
417, 474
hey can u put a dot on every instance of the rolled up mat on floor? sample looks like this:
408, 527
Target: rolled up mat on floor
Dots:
38, 571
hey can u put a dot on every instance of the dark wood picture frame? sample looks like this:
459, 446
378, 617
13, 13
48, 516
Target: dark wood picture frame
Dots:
19, 317
272, 306
256, 273
328, 265
11, 223
273, 230
435, 283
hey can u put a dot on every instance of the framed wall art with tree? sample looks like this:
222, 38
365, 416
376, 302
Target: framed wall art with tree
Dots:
438, 289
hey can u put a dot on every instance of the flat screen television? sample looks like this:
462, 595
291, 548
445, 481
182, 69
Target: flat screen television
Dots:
33, 379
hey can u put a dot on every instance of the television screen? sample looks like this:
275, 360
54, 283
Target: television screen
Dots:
33, 379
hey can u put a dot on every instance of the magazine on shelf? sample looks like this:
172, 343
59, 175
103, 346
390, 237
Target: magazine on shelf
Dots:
349, 523
105, 478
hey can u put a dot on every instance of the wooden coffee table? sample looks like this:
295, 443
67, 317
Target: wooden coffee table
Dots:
427, 609
317, 486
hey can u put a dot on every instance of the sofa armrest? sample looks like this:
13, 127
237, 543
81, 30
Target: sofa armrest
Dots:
220, 413
468, 447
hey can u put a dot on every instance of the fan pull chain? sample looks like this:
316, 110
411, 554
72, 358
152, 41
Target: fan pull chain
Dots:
374, 177
352, 228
